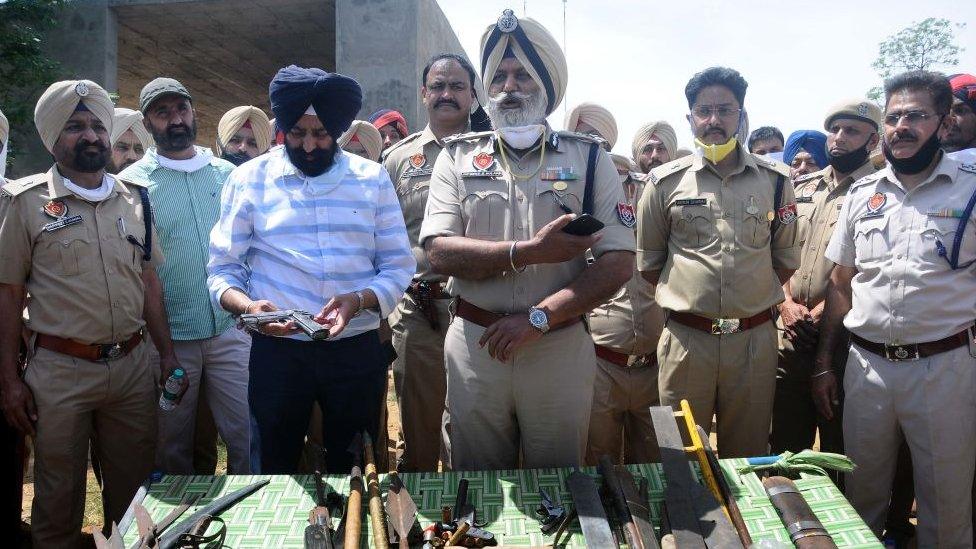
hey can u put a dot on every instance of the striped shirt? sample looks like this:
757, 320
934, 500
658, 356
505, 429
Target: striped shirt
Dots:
185, 208
297, 241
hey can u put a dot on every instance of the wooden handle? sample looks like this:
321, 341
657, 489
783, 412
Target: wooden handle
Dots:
354, 512
376, 515
805, 529
462, 529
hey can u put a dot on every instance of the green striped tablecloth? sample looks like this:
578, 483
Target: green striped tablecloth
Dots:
276, 515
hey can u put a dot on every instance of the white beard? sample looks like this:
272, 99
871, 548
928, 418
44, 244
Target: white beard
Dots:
533, 110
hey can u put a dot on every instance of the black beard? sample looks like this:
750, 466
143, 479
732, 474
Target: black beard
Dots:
237, 158
322, 159
170, 141
87, 162
918, 161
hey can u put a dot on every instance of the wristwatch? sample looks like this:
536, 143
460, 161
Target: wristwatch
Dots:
539, 319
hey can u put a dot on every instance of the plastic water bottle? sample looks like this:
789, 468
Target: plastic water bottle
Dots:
171, 389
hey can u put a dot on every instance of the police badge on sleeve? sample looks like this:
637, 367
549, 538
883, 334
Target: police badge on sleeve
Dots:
626, 214
787, 213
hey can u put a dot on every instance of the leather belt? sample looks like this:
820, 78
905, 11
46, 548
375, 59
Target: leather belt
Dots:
721, 326
623, 359
912, 351
473, 313
90, 352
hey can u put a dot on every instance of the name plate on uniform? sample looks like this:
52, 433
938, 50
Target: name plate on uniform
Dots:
61, 223
804, 199
482, 173
418, 172
691, 202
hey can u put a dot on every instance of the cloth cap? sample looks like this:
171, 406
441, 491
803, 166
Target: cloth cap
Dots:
534, 46
596, 116
128, 119
964, 88
335, 98
810, 141
856, 109
367, 134
60, 100
4, 130
236, 118
385, 117
660, 129
159, 87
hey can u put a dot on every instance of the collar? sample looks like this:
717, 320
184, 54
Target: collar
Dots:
830, 176
56, 188
946, 167
427, 136
554, 143
745, 160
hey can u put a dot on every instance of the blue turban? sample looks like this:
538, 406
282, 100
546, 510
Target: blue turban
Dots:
811, 141
335, 98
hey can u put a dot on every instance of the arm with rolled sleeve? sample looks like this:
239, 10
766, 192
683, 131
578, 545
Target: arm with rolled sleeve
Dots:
784, 246
393, 259
230, 240
653, 231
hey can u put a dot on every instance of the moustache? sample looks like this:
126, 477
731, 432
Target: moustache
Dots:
183, 129
907, 138
81, 146
512, 97
450, 102
717, 130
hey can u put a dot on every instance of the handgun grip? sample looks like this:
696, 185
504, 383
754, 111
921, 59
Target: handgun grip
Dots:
308, 325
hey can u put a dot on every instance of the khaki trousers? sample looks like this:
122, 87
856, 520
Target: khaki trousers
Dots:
732, 376
420, 382
114, 400
619, 417
538, 404
223, 362
930, 403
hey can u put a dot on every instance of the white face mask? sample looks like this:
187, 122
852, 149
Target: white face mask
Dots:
521, 137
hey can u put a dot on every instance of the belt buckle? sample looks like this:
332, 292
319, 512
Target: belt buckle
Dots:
112, 351
899, 353
722, 326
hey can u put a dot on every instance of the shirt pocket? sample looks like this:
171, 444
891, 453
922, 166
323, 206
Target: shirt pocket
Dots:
754, 227
413, 198
546, 206
871, 238
939, 233
693, 226
485, 212
71, 250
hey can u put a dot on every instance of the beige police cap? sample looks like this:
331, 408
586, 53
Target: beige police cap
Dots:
857, 109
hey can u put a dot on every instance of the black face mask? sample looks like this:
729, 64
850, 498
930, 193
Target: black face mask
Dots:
237, 158
846, 163
917, 162
320, 161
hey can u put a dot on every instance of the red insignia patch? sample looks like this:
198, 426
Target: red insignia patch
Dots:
483, 161
876, 202
418, 161
787, 214
56, 209
626, 214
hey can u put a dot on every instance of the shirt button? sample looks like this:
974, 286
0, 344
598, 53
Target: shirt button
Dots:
111, 271
521, 199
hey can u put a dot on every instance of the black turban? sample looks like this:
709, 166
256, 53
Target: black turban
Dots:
335, 98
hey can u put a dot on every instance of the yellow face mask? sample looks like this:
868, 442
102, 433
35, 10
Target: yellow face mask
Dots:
715, 153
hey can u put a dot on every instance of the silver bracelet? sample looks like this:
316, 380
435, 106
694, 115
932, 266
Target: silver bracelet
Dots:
823, 373
511, 258
362, 301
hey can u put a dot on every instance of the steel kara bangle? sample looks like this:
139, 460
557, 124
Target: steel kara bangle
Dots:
821, 374
511, 258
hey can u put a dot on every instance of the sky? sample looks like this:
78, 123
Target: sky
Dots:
635, 56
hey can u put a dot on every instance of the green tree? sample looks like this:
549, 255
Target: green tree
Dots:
24, 66
927, 45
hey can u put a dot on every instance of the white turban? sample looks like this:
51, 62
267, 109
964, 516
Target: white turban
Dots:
236, 118
596, 116
533, 46
663, 131
60, 101
365, 133
128, 119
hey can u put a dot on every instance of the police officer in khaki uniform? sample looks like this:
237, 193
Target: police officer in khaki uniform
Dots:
717, 235
75, 238
520, 364
904, 286
625, 332
420, 321
852, 133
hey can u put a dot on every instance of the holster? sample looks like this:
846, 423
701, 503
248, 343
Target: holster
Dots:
424, 293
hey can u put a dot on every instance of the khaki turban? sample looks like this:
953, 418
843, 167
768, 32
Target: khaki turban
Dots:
235, 119
517, 36
663, 131
621, 162
60, 101
128, 119
596, 116
4, 130
367, 134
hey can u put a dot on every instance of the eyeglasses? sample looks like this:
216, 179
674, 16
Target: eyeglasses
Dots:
911, 118
704, 112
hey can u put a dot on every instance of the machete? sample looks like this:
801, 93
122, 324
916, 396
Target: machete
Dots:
589, 508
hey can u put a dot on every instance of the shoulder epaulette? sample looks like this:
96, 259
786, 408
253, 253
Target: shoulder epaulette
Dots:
399, 143
807, 177
133, 181
867, 179
665, 170
17, 186
580, 136
770, 164
470, 136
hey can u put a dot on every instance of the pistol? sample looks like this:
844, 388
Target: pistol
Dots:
302, 319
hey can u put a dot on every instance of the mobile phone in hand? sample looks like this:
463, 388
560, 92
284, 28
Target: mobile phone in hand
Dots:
583, 225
